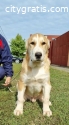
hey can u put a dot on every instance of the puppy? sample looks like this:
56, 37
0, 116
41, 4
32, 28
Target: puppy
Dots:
34, 80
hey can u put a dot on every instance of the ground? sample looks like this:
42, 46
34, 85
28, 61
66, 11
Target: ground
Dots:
33, 111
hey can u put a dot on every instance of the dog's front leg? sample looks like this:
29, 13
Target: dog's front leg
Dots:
46, 97
20, 99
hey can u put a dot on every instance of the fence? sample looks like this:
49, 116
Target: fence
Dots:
59, 50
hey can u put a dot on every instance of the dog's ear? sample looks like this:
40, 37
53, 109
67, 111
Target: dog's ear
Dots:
48, 43
46, 37
26, 44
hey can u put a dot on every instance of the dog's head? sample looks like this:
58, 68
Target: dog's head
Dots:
37, 47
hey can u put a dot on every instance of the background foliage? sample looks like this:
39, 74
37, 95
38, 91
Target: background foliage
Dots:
18, 46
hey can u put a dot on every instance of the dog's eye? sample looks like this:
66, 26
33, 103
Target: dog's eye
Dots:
32, 43
43, 43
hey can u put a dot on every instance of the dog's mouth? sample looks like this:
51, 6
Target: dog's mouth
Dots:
36, 60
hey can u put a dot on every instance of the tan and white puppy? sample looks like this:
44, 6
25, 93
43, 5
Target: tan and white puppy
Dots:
34, 80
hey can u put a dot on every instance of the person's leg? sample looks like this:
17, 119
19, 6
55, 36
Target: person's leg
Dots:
2, 73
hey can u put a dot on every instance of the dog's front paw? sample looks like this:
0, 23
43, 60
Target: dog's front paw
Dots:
48, 113
18, 112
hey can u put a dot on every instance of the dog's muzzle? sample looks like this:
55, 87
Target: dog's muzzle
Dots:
38, 56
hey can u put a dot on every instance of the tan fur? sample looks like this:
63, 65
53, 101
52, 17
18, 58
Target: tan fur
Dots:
35, 75
20, 85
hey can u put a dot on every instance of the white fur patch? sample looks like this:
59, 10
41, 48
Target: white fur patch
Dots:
36, 79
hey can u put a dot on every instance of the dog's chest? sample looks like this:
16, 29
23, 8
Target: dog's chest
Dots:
36, 76
35, 79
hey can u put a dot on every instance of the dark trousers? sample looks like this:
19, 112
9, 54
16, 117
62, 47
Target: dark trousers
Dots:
2, 73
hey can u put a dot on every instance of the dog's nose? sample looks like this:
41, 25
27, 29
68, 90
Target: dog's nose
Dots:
38, 55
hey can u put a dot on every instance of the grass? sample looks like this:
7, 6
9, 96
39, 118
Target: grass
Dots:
33, 111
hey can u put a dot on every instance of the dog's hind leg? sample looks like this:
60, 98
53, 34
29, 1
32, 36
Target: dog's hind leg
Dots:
20, 102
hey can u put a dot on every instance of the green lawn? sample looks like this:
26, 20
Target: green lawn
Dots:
33, 111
